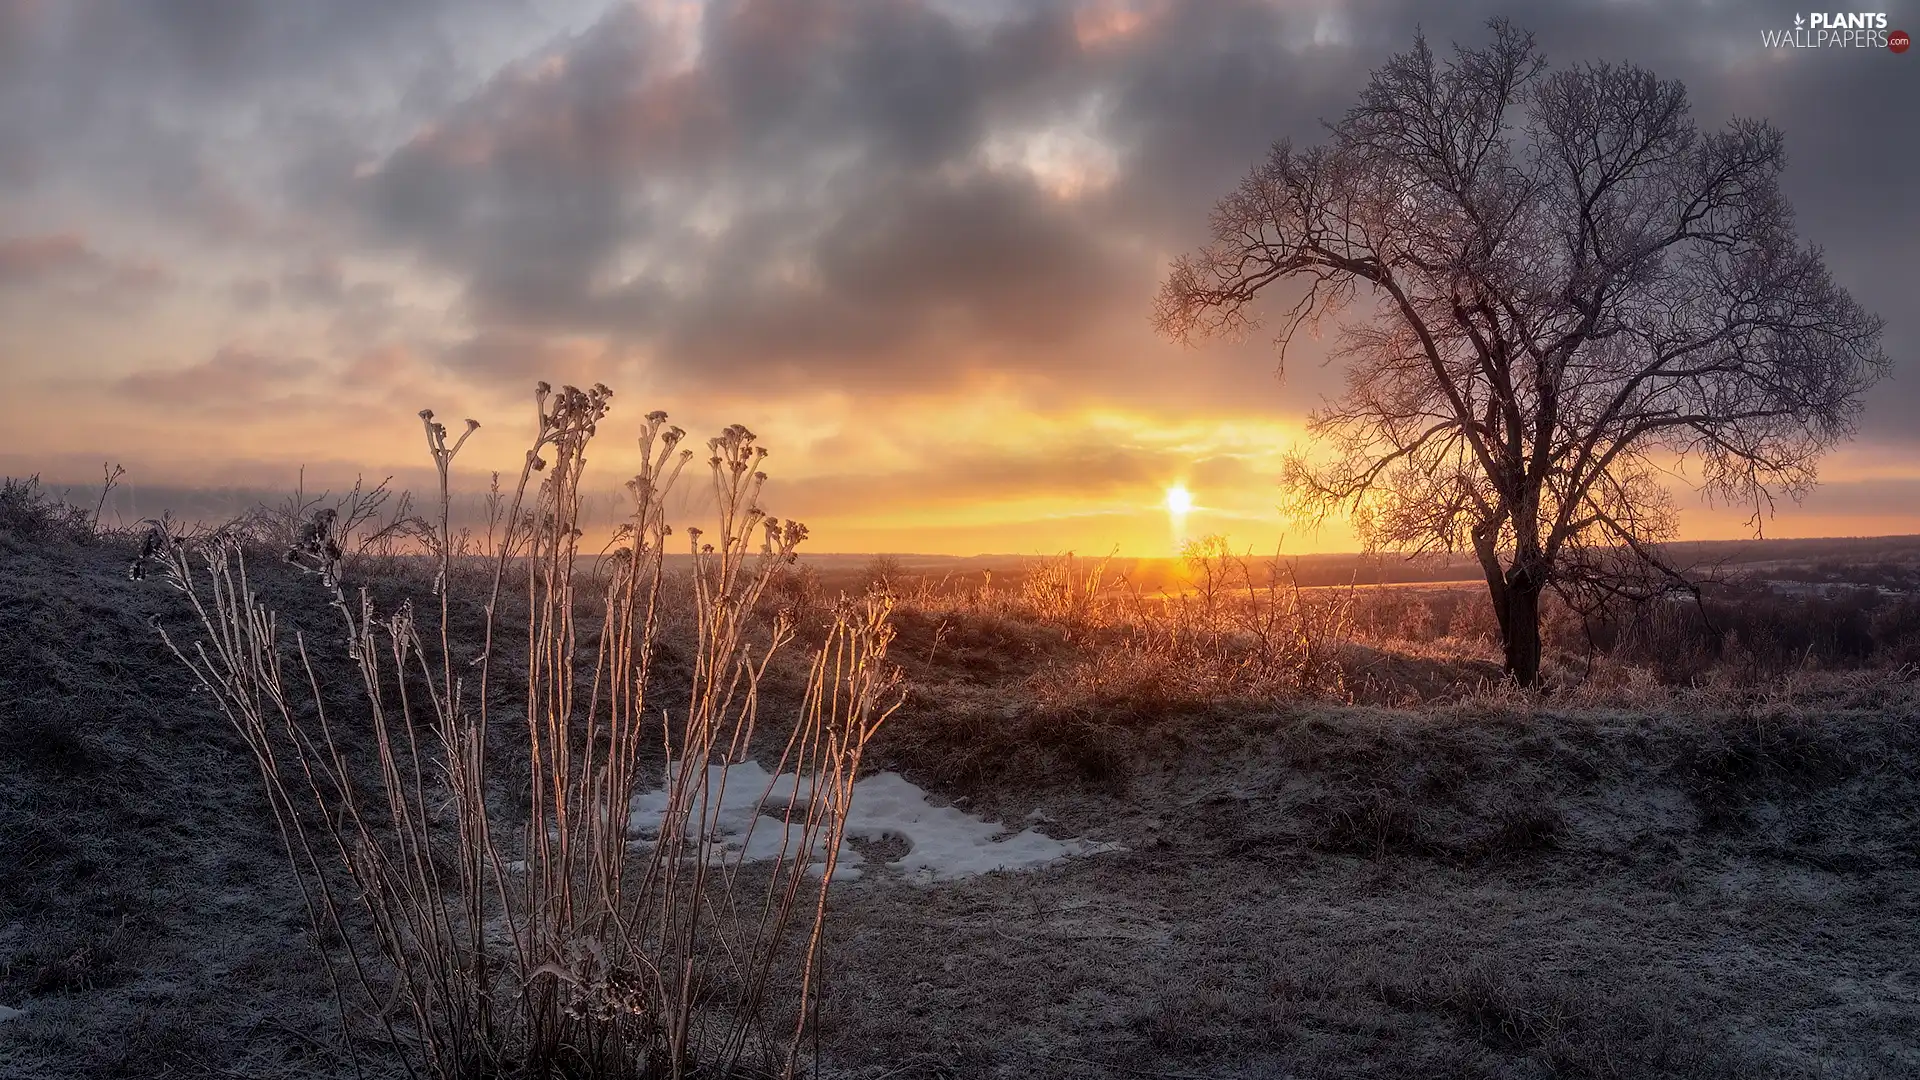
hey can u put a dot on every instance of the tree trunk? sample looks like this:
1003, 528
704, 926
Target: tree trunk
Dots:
1515, 593
1496, 578
1520, 629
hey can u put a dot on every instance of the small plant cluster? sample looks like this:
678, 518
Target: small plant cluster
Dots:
1242, 628
30, 512
495, 937
324, 532
1741, 631
1237, 627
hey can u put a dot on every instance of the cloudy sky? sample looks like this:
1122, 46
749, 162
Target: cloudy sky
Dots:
911, 243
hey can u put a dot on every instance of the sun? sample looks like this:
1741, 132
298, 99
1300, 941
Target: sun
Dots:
1179, 500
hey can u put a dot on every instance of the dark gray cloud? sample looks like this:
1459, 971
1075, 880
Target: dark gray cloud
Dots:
230, 127
838, 193
229, 377
251, 294
856, 195
826, 193
33, 260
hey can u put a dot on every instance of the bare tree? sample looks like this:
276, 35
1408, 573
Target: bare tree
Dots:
1568, 290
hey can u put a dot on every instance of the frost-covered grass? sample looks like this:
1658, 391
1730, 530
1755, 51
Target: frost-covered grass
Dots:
1656, 881
531, 938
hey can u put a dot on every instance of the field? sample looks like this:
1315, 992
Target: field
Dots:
1342, 846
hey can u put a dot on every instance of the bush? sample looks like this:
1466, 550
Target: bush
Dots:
1896, 631
530, 939
29, 512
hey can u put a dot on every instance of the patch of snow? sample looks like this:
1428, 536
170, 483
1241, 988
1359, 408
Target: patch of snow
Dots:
746, 807
7, 1014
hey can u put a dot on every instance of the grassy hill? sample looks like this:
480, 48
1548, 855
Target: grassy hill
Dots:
1418, 875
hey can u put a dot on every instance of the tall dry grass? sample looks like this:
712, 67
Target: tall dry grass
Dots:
486, 937
1232, 626
1242, 626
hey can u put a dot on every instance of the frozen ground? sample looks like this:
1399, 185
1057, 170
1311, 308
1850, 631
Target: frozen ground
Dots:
746, 810
1306, 890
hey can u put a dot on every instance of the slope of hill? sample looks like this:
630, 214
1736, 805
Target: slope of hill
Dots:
1673, 884
148, 926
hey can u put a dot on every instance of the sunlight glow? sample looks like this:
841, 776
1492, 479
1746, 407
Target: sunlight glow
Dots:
1179, 500
1179, 503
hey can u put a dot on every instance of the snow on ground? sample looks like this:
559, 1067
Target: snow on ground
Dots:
745, 805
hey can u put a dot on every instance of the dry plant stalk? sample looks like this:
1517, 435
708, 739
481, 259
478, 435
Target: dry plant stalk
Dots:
1240, 629
576, 957
1058, 590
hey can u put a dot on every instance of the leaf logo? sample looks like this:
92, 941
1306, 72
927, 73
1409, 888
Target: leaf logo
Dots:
1798, 21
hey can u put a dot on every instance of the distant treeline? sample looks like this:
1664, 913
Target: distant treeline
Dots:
1888, 560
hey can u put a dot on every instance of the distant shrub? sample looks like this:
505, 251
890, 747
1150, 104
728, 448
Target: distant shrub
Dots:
884, 573
29, 512
796, 589
1896, 630
1066, 590
1473, 620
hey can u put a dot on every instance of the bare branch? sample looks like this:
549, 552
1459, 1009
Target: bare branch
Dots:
1559, 281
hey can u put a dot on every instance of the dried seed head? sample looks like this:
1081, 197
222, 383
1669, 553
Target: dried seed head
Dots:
426, 414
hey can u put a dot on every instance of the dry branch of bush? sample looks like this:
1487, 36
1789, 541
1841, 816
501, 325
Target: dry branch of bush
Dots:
561, 946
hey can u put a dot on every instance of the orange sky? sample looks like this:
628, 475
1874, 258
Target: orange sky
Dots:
982, 474
913, 246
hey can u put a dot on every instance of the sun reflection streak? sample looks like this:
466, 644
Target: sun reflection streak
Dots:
1179, 505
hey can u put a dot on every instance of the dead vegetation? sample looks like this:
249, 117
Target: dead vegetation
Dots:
1397, 867
537, 939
